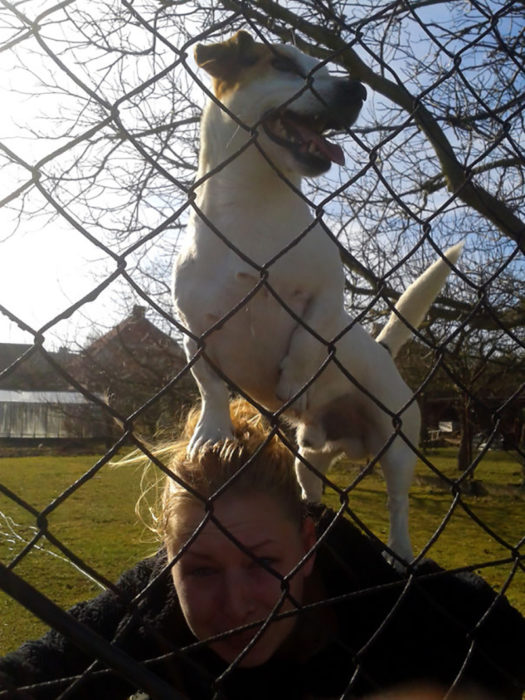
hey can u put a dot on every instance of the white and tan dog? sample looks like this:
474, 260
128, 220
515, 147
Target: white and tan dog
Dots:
260, 284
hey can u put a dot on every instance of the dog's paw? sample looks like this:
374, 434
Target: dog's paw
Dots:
206, 436
399, 565
311, 485
399, 556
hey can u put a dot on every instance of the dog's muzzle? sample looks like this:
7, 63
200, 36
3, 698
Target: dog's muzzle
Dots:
304, 133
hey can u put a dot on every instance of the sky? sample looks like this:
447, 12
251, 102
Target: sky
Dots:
47, 266
43, 272
42, 265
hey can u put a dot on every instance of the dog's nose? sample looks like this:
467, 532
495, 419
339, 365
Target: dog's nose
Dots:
362, 91
345, 108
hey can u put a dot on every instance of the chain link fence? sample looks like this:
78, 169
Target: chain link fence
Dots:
99, 148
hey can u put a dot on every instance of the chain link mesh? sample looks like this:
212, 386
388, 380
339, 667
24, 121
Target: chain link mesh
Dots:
103, 150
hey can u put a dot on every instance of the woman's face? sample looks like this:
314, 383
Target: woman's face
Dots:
221, 588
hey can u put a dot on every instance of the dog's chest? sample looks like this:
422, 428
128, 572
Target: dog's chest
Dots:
247, 319
263, 303
250, 344
257, 273
247, 297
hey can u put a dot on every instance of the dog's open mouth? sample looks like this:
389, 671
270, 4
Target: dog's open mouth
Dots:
303, 135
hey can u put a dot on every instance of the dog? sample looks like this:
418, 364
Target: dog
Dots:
259, 284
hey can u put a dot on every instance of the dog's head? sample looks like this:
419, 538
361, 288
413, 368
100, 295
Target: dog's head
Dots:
291, 96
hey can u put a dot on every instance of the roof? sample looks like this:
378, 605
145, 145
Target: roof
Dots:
138, 335
34, 371
49, 397
9, 352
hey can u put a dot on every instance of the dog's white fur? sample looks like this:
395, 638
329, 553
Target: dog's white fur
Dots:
232, 276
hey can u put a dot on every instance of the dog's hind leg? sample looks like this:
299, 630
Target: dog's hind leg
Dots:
305, 464
214, 424
398, 468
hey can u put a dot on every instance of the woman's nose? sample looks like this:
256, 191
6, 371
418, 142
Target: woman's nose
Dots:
238, 597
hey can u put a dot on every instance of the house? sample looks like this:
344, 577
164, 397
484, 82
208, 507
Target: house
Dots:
136, 366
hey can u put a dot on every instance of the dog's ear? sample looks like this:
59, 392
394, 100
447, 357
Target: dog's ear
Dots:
222, 59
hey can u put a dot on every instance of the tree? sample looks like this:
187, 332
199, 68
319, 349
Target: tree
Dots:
436, 156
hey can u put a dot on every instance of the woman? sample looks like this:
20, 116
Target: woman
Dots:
253, 598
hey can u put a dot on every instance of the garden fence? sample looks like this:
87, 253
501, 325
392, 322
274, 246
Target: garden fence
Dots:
99, 161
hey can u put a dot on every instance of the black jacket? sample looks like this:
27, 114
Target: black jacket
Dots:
379, 630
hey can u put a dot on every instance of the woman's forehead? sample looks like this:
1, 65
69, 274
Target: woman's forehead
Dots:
213, 543
253, 520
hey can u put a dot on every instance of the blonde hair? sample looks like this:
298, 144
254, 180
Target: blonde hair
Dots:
255, 461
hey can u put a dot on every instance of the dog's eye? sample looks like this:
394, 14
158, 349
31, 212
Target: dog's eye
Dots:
285, 64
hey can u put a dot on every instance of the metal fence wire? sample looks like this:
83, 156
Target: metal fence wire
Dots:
99, 159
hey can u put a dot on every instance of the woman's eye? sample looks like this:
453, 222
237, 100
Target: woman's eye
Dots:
265, 563
202, 572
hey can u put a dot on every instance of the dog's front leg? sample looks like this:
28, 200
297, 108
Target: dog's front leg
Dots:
214, 424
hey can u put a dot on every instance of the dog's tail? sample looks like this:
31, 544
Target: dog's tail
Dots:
415, 301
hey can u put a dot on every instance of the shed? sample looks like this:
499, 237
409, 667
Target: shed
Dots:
50, 415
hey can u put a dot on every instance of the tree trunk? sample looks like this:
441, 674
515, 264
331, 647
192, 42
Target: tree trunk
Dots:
465, 445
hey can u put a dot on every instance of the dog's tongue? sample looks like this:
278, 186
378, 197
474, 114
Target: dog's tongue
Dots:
331, 150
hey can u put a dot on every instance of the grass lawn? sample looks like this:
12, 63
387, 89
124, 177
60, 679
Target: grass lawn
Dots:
463, 541
98, 524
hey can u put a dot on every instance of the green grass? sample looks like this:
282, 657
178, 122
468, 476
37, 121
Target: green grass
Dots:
99, 525
463, 541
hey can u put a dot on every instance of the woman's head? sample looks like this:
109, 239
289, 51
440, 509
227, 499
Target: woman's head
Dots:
247, 559
254, 462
